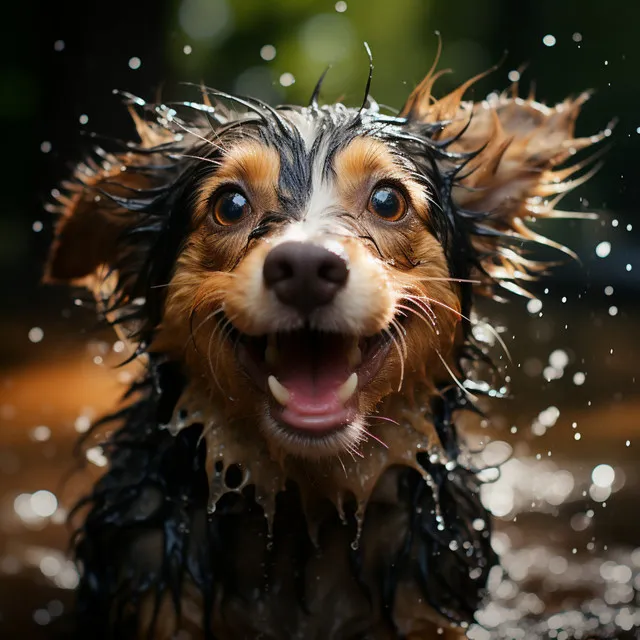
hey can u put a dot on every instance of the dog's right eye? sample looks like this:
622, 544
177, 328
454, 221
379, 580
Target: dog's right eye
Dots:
230, 207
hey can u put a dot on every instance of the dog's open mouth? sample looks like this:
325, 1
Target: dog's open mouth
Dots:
312, 378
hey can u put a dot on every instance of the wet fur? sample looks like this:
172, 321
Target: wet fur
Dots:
134, 228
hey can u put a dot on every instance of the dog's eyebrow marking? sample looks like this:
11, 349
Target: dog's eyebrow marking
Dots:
360, 158
251, 165
366, 160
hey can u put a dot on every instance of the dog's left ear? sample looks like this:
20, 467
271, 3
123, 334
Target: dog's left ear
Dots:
93, 216
509, 158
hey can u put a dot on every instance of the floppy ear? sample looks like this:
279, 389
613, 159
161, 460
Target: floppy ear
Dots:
93, 211
509, 162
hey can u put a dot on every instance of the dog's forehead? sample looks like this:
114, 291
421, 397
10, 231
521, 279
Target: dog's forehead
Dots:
324, 158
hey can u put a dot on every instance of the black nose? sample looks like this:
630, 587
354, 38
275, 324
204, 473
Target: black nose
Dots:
304, 275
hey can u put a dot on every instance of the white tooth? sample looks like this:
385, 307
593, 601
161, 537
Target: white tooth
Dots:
354, 356
348, 388
280, 392
271, 352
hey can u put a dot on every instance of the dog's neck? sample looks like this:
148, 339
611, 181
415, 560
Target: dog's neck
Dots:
401, 432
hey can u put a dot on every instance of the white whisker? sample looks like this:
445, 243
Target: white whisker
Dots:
455, 379
397, 346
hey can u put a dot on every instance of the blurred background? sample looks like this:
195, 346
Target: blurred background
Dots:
567, 500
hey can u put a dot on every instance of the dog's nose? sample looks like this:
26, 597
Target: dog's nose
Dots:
304, 275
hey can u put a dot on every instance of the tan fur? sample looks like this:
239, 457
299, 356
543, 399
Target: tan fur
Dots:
516, 174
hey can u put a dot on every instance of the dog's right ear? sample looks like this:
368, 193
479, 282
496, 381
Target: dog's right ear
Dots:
93, 216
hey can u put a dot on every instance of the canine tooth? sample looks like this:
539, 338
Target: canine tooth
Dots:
279, 391
348, 388
271, 352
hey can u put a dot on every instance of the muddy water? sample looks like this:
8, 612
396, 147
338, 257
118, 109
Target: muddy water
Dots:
566, 502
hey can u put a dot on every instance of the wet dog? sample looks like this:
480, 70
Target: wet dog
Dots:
299, 284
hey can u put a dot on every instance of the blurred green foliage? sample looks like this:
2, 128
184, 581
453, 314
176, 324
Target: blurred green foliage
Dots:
308, 36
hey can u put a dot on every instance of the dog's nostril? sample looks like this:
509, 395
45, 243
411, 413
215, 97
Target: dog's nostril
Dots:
277, 269
334, 269
304, 275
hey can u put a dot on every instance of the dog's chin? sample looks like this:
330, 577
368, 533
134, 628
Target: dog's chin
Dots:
313, 384
304, 444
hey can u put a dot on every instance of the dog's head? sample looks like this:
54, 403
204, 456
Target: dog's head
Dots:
303, 264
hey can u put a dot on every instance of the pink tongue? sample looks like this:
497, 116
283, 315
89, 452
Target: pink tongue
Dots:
312, 367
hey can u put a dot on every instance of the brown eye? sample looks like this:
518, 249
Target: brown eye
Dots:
388, 203
230, 208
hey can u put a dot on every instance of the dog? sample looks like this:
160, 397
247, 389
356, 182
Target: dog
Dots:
299, 285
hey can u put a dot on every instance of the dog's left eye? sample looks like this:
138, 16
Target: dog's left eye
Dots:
230, 208
387, 202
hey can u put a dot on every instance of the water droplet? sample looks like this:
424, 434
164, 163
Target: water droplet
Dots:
577, 37
559, 359
613, 310
45, 147
268, 52
135, 63
549, 40
287, 79
43, 503
479, 524
55, 608
82, 424
534, 305
41, 433
187, 49
41, 617
58, 45
603, 475
96, 456
608, 291
513, 75
36, 334
84, 118
603, 249
341, 6
37, 226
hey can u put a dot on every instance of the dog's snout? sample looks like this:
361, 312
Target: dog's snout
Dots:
304, 275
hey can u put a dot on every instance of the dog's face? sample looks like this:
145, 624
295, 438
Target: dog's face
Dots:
311, 283
304, 264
